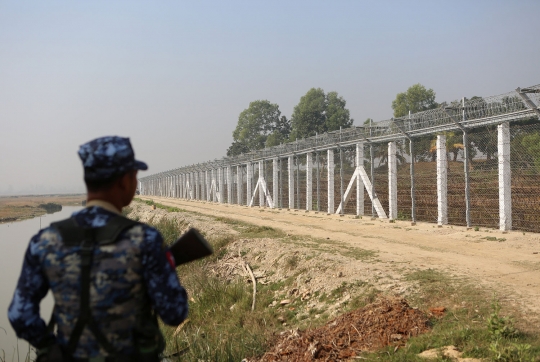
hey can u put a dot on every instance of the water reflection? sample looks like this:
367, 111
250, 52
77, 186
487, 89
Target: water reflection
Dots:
14, 239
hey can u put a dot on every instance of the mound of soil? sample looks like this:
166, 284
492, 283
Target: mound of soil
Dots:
384, 322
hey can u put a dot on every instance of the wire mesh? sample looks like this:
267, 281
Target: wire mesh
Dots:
403, 160
483, 174
349, 166
425, 177
525, 168
479, 115
368, 205
323, 182
380, 176
456, 178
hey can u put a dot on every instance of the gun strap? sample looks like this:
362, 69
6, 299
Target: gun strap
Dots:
88, 238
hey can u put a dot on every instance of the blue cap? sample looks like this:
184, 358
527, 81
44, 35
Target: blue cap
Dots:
106, 157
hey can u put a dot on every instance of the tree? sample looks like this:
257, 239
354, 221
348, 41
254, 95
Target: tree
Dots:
259, 125
280, 134
318, 112
416, 99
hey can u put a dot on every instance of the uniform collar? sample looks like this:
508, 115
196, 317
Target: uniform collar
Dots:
104, 205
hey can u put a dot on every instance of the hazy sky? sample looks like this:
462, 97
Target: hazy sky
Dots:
174, 75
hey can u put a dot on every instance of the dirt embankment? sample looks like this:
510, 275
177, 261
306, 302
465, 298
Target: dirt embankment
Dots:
15, 208
347, 250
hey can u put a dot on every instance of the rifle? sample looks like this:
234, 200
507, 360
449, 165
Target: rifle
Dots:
189, 247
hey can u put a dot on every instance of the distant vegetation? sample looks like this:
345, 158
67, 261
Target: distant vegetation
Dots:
262, 125
51, 207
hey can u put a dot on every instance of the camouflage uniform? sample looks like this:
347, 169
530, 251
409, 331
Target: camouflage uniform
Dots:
127, 277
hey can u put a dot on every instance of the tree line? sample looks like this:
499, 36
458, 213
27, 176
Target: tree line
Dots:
262, 125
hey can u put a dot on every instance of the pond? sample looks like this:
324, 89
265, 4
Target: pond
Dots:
14, 238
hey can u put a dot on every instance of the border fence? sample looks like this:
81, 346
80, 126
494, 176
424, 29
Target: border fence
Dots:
473, 162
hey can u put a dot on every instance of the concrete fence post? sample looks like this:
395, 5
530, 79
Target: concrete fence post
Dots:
220, 183
249, 172
359, 183
442, 181
290, 172
261, 192
212, 184
200, 184
330, 168
239, 184
392, 181
275, 180
188, 178
180, 185
207, 184
505, 180
309, 181
196, 185
229, 185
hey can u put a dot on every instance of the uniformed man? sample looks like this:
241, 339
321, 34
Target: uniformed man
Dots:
109, 275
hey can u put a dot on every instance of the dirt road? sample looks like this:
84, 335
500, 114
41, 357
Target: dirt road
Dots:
507, 263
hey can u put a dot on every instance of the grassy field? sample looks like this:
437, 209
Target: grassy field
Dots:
14, 208
222, 326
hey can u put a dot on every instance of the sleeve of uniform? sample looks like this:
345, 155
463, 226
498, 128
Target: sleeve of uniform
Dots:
168, 297
23, 312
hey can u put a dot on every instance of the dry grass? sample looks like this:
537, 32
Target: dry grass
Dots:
13, 208
222, 327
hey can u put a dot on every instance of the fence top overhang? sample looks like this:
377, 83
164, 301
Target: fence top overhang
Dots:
521, 104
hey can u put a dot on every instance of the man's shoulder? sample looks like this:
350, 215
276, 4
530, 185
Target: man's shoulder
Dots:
149, 233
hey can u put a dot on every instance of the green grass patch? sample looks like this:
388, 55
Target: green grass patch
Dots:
161, 206
493, 238
221, 325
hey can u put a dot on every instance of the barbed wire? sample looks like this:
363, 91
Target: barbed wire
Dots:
470, 113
